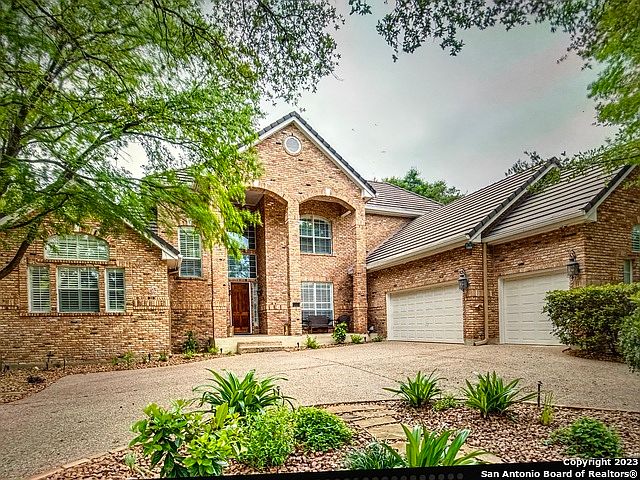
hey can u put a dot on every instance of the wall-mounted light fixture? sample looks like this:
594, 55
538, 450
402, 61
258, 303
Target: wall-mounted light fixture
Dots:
468, 245
573, 267
463, 281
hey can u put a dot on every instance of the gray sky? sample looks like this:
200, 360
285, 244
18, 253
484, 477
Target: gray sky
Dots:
464, 119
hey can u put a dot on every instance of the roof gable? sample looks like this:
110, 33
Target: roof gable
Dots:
394, 200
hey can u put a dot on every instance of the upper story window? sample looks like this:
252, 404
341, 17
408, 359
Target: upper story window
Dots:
247, 240
245, 267
315, 235
635, 238
292, 145
191, 250
76, 247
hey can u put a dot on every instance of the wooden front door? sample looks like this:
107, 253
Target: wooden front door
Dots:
240, 308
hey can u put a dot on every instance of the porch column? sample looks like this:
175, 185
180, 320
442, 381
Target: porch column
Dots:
293, 263
360, 275
220, 304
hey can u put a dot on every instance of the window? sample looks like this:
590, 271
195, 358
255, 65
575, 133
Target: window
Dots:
315, 235
635, 238
191, 252
76, 247
627, 273
78, 289
115, 290
243, 268
39, 294
247, 240
292, 145
317, 299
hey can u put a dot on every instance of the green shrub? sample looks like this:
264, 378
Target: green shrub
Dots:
311, 343
191, 344
162, 357
373, 457
588, 438
491, 395
339, 334
590, 317
546, 415
355, 338
319, 430
268, 438
244, 396
445, 403
629, 339
377, 338
419, 390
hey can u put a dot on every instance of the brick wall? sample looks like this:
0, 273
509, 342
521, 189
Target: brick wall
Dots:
381, 227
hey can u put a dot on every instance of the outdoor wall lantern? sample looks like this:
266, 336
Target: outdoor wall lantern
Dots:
573, 267
463, 281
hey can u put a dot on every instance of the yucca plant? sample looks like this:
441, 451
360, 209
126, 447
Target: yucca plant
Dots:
244, 396
420, 390
492, 395
430, 449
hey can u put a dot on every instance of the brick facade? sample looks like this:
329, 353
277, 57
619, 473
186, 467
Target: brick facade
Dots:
381, 227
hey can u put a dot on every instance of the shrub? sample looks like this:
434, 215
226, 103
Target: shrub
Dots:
162, 357
355, 338
311, 343
319, 430
244, 396
588, 438
445, 403
419, 390
339, 334
590, 317
373, 457
268, 438
191, 344
629, 339
546, 415
491, 395
377, 338
429, 449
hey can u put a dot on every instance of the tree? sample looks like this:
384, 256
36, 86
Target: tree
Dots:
603, 32
83, 80
438, 190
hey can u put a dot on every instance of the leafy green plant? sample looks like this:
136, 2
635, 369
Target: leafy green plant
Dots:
429, 449
191, 343
162, 357
546, 415
492, 395
207, 454
339, 334
377, 338
268, 438
189, 355
373, 457
131, 461
244, 396
629, 339
355, 338
418, 391
311, 343
446, 402
211, 348
319, 430
588, 438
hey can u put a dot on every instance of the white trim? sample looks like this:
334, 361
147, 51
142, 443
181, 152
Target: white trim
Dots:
315, 303
182, 257
58, 283
610, 190
419, 252
29, 288
106, 289
313, 218
393, 212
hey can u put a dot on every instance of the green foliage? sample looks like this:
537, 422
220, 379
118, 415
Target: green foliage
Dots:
492, 395
339, 334
629, 339
373, 457
419, 390
131, 461
128, 358
162, 357
590, 317
446, 402
268, 438
191, 343
429, 449
319, 430
377, 338
211, 348
311, 343
355, 338
588, 438
244, 396
438, 190
547, 413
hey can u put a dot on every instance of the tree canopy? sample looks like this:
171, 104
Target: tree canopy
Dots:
438, 190
83, 80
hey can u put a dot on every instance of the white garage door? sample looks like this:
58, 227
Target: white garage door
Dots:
521, 303
428, 315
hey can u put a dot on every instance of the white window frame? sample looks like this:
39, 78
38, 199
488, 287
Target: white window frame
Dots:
52, 253
312, 219
59, 284
627, 271
107, 290
184, 256
315, 300
635, 238
30, 288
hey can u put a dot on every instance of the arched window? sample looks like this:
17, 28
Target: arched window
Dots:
315, 235
635, 238
76, 247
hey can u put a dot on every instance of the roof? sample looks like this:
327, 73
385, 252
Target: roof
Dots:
394, 200
572, 197
294, 117
162, 244
456, 222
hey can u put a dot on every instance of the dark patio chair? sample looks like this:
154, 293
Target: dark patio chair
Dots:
318, 322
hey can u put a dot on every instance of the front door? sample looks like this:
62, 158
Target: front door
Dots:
240, 308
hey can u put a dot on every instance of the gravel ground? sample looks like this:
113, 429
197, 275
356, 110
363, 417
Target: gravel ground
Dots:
84, 415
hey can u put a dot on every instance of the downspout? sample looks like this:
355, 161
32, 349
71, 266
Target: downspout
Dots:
485, 299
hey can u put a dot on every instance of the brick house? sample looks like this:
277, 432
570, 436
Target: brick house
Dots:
331, 244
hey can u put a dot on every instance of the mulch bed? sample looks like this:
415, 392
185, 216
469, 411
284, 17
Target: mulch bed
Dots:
605, 357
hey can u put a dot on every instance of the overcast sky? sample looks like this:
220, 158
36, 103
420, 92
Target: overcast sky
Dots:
464, 119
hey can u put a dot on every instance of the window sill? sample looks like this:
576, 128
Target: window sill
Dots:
69, 261
198, 279
76, 314
318, 254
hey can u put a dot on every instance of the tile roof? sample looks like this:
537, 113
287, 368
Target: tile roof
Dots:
391, 197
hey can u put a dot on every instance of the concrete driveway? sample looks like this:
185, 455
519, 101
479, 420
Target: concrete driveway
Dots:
83, 415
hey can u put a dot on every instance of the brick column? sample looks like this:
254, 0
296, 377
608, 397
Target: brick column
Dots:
220, 302
360, 274
293, 263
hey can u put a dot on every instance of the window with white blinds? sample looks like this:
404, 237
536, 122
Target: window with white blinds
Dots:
635, 238
317, 299
115, 290
315, 235
76, 247
39, 293
78, 289
191, 251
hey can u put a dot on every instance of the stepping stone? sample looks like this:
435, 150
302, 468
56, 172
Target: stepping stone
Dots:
351, 408
375, 421
351, 417
391, 432
377, 413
